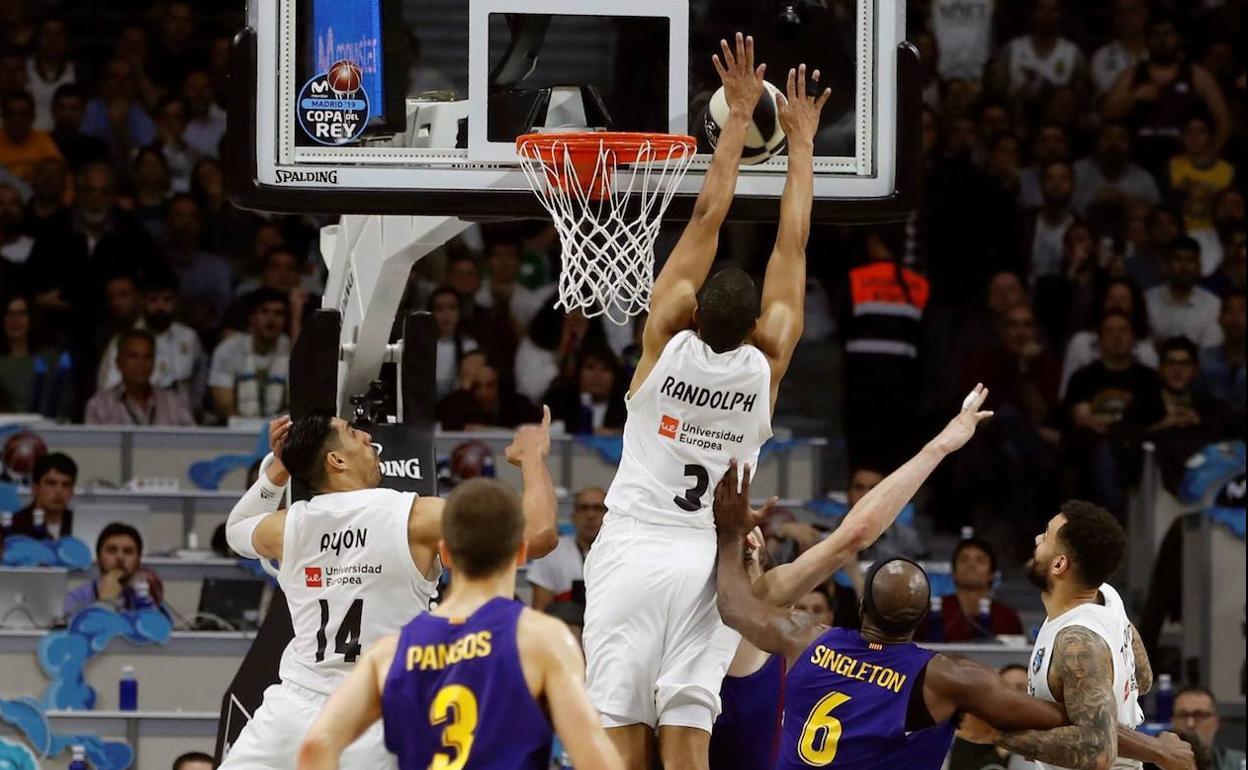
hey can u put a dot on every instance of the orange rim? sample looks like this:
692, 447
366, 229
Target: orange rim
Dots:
627, 144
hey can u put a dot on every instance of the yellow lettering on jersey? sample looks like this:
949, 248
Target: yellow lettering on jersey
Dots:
434, 657
851, 668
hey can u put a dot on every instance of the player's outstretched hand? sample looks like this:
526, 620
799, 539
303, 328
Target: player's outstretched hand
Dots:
1178, 753
532, 442
743, 82
961, 428
278, 430
798, 109
972, 729
733, 516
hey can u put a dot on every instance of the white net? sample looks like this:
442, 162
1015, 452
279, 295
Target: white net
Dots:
607, 210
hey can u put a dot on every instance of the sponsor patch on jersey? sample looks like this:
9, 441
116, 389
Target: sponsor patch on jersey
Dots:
1037, 661
312, 577
668, 426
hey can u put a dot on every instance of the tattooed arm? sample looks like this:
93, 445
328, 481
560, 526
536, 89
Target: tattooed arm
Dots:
1081, 677
1143, 668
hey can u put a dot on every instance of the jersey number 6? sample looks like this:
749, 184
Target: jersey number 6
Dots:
692, 499
822, 731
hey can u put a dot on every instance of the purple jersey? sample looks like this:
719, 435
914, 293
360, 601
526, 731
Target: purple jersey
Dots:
455, 695
845, 705
746, 733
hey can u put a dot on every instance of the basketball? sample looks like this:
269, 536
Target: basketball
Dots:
21, 451
764, 138
344, 77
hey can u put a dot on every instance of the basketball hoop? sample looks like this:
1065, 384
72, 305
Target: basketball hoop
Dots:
606, 192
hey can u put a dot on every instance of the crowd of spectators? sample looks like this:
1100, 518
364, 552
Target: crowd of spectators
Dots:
1080, 248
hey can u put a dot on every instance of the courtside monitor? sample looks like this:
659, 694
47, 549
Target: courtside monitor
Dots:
385, 107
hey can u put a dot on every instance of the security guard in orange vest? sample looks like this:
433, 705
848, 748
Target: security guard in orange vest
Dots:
886, 303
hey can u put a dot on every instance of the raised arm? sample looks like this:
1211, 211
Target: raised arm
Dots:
1215, 102
674, 295
784, 286
255, 527
1082, 671
353, 707
874, 513
528, 452
548, 644
767, 627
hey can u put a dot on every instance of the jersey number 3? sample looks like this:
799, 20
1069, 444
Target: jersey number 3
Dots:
822, 732
347, 640
456, 707
692, 499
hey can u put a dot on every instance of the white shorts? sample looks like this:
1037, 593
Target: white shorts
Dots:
270, 741
656, 650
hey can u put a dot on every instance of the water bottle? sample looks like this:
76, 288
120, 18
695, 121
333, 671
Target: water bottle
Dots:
587, 414
40, 521
142, 593
968, 533
79, 762
985, 618
128, 690
936, 621
1163, 704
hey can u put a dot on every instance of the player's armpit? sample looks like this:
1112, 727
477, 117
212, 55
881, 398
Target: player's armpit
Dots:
424, 530
1143, 667
353, 707
1082, 675
953, 683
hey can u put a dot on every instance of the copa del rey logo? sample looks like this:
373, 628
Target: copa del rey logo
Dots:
400, 469
668, 426
312, 577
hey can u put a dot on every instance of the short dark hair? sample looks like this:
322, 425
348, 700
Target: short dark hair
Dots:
483, 526
974, 542
1105, 316
280, 248
263, 296
303, 452
68, 91
162, 279
55, 461
17, 95
1182, 243
113, 530
136, 334
1095, 539
192, 756
167, 100
1195, 689
728, 306
1172, 344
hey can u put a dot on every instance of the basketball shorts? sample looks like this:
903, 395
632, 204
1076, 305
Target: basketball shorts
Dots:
656, 650
270, 741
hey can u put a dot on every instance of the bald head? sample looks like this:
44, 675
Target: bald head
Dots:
897, 596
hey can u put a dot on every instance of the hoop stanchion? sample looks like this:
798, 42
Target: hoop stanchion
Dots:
607, 192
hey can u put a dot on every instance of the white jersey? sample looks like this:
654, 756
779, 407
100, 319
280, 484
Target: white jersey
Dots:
349, 579
696, 410
963, 31
1028, 69
1108, 621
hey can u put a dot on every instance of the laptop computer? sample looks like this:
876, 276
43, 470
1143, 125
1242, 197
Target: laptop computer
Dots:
236, 601
32, 597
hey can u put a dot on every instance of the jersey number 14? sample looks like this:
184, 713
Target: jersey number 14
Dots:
347, 640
